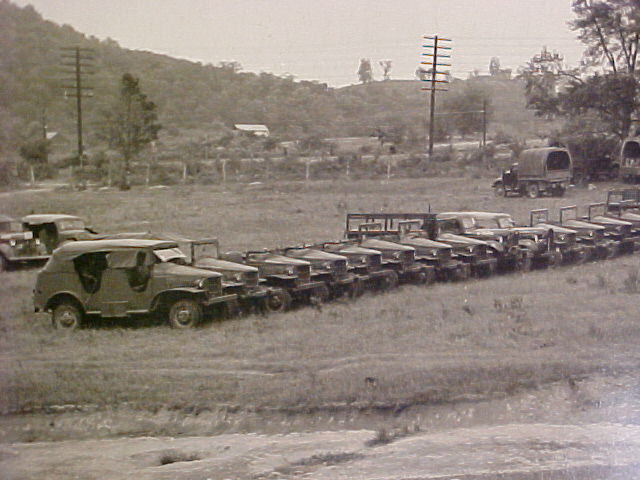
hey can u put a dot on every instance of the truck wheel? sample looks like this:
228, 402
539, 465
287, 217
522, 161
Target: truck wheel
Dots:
556, 259
463, 272
319, 295
499, 190
67, 315
524, 264
356, 289
278, 301
184, 313
389, 281
532, 190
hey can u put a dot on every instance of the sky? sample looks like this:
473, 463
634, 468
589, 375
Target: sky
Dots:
324, 40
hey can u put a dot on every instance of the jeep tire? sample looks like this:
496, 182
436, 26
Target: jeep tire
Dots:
532, 190
67, 315
319, 295
184, 313
277, 301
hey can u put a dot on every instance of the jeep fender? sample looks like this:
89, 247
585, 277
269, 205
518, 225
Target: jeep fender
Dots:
495, 245
175, 293
52, 302
496, 182
5, 251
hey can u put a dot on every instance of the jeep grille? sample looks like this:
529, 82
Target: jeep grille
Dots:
340, 267
444, 254
213, 285
408, 257
303, 273
598, 235
375, 261
250, 279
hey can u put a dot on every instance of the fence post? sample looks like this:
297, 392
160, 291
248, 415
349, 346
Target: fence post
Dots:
388, 167
307, 169
184, 172
224, 170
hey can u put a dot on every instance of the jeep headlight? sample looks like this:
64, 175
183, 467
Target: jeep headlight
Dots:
364, 259
290, 271
327, 265
561, 237
238, 277
12, 243
202, 283
396, 255
470, 249
592, 233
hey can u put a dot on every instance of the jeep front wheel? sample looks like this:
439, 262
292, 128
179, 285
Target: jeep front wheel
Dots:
278, 301
499, 190
184, 313
319, 295
67, 315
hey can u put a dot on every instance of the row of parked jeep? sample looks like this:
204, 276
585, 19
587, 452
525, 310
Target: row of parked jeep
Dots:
119, 275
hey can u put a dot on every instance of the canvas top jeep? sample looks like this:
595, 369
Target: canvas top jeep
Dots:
18, 246
117, 278
52, 229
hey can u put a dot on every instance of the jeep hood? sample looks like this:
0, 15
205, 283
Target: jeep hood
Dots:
184, 271
555, 228
582, 224
451, 238
376, 244
223, 265
532, 230
274, 259
423, 242
355, 250
630, 217
601, 219
311, 254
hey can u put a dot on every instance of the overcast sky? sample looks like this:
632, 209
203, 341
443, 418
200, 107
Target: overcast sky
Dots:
324, 39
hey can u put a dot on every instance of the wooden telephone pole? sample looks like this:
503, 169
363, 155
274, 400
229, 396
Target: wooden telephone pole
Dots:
434, 80
77, 61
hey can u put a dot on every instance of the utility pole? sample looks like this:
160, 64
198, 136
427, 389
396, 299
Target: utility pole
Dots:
78, 62
434, 80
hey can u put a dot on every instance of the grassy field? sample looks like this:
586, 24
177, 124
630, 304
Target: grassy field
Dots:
420, 345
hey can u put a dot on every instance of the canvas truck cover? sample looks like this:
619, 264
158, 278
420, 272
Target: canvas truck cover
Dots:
538, 162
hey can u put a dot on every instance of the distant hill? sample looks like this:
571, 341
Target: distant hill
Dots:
194, 99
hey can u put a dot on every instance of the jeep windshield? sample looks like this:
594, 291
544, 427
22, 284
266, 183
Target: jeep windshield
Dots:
170, 255
64, 225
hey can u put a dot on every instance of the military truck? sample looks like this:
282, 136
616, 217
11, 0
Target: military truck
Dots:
330, 268
538, 171
630, 160
565, 240
289, 274
468, 251
127, 277
19, 247
366, 263
616, 229
504, 242
589, 234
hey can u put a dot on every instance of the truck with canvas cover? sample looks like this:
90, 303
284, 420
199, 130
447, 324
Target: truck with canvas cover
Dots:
539, 170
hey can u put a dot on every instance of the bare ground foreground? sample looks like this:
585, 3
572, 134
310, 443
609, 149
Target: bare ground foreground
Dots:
516, 377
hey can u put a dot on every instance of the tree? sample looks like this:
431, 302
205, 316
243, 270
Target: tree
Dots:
386, 68
606, 83
365, 74
466, 107
132, 122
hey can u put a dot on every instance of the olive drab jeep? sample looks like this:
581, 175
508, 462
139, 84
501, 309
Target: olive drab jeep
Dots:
616, 229
474, 255
19, 247
504, 242
55, 229
366, 263
120, 278
589, 234
290, 275
330, 268
565, 240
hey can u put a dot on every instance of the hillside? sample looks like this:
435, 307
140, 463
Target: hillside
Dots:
194, 99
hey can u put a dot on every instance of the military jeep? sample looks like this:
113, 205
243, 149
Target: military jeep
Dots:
616, 229
126, 277
18, 247
589, 234
449, 254
238, 278
330, 268
565, 240
504, 242
54, 229
290, 274
366, 263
